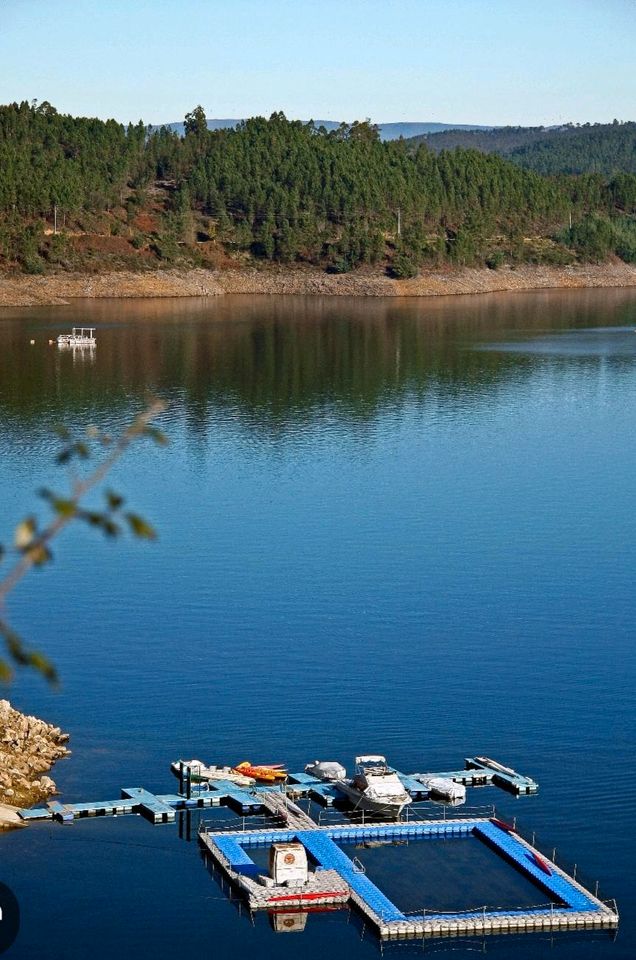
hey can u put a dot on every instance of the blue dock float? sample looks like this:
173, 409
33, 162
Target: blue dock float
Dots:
330, 857
322, 791
160, 808
483, 771
60, 811
571, 906
502, 776
149, 806
559, 887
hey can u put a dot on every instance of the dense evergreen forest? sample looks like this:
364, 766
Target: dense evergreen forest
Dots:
605, 148
84, 193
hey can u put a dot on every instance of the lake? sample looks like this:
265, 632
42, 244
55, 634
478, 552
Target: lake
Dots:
403, 526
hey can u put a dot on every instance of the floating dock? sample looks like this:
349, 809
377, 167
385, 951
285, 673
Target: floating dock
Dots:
571, 906
338, 879
479, 771
158, 809
482, 771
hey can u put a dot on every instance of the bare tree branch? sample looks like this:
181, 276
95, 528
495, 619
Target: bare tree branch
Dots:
34, 545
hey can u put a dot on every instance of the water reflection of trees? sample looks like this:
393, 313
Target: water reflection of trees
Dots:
275, 360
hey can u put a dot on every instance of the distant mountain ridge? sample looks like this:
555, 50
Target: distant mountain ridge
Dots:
388, 131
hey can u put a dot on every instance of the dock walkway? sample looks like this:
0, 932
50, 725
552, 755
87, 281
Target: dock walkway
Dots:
481, 771
572, 906
337, 877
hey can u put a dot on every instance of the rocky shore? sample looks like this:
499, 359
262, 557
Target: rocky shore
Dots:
23, 290
28, 749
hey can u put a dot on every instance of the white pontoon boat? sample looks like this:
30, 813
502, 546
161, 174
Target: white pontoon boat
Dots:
78, 337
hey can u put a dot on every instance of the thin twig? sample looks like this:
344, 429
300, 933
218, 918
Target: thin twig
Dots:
80, 488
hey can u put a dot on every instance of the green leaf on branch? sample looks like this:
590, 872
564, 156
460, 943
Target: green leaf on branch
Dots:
39, 555
63, 506
140, 527
24, 534
101, 520
114, 500
23, 657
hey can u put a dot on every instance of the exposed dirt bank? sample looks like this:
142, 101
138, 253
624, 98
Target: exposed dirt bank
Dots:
28, 749
21, 290
24, 290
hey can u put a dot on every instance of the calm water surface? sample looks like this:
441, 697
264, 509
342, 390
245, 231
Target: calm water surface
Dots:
396, 526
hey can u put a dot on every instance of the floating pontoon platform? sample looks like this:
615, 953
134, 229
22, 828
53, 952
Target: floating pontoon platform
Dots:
337, 878
157, 809
481, 771
571, 906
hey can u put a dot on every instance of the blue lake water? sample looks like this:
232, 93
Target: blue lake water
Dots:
395, 526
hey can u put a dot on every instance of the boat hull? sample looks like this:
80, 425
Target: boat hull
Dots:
388, 808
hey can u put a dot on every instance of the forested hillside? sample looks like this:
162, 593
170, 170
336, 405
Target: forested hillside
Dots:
598, 148
605, 148
275, 190
501, 140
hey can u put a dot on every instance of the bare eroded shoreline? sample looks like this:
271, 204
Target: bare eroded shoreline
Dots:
21, 290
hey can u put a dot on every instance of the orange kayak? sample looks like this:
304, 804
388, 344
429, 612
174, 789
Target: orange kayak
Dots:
265, 773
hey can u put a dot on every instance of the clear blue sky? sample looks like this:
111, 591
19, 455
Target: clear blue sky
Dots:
458, 61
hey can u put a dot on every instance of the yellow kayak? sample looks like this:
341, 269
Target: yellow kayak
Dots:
262, 772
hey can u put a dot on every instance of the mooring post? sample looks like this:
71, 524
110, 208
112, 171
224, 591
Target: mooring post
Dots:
596, 890
554, 855
574, 872
181, 777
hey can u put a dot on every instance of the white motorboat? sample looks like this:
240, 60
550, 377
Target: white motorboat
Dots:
329, 770
445, 789
200, 773
375, 787
78, 337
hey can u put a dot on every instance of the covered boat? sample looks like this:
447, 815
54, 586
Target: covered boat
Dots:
445, 789
375, 787
329, 770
